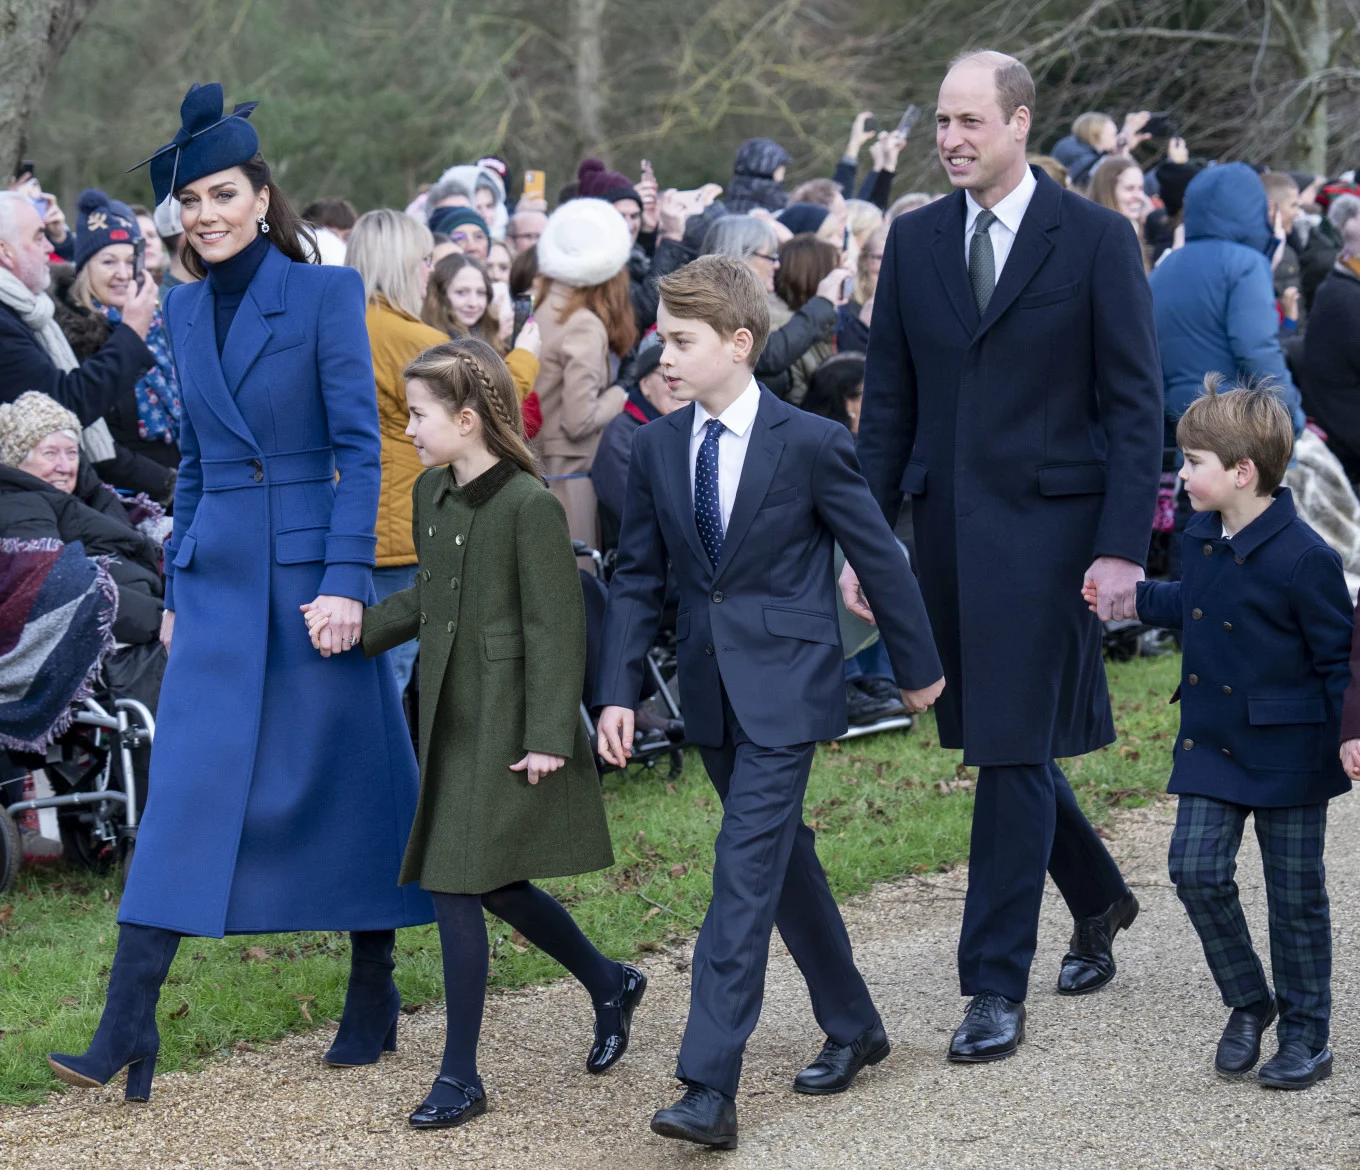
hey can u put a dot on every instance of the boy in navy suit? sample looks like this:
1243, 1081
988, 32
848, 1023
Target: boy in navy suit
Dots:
1266, 620
744, 497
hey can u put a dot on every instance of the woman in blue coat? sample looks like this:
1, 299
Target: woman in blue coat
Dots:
283, 784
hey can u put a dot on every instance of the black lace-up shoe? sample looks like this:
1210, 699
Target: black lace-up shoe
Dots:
838, 1064
992, 1028
1089, 962
702, 1115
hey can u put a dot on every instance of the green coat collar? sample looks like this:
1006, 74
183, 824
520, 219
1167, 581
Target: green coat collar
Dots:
478, 491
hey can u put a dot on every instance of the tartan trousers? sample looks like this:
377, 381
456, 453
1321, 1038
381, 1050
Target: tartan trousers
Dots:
1203, 863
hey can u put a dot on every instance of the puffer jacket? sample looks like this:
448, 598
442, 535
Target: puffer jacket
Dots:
1079, 157
1214, 299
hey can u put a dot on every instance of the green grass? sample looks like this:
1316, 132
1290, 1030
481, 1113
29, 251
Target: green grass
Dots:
883, 806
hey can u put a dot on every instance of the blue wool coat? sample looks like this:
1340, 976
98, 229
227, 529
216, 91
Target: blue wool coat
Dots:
1267, 633
283, 785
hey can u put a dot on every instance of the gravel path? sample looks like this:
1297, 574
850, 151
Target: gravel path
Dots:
1121, 1078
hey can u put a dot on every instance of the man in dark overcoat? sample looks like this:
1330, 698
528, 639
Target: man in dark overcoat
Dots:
1013, 391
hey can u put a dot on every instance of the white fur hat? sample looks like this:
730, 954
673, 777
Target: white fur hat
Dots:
585, 242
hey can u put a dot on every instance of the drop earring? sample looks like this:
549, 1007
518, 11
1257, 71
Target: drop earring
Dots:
264, 226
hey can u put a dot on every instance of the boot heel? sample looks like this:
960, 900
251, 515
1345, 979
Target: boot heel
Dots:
390, 1044
139, 1076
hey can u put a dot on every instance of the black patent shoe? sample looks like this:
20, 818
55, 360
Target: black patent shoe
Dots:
1239, 1048
837, 1065
703, 1116
610, 1046
992, 1029
1294, 1067
1089, 962
472, 1105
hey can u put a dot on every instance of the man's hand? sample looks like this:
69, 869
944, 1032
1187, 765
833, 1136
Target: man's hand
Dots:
1350, 758
853, 595
140, 308
1111, 588
918, 701
615, 735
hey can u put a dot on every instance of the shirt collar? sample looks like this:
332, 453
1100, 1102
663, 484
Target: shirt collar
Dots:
1011, 210
738, 416
1275, 519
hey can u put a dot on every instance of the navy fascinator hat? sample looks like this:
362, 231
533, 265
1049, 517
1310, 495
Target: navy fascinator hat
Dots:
208, 141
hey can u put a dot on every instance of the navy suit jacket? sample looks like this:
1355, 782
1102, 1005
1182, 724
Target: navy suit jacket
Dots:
1267, 625
763, 624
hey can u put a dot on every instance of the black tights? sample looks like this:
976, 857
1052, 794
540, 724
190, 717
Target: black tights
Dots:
541, 919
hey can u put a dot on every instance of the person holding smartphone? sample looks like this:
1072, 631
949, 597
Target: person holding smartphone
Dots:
45, 204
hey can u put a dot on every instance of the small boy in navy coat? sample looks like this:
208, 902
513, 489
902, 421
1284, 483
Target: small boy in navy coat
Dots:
743, 496
1266, 621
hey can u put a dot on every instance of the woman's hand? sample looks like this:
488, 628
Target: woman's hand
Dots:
505, 309
859, 135
334, 623
538, 765
167, 628
832, 287
530, 338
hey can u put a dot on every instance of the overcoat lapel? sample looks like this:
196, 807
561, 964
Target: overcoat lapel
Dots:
948, 253
1032, 245
203, 367
250, 331
676, 470
762, 459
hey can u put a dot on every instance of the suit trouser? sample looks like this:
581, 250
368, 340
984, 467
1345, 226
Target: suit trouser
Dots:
1203, 864
1026, 821
765, 874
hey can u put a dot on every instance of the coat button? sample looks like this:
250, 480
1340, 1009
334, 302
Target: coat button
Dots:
1196, 614
431, 529
459, 539
422, 619
1225, 751
1194, 680
708, 647
426, 575
1227, 690
1228, 626
717, 597
259, 470
453, 583
1240, 560
1187, 744
1208, 550
451, 625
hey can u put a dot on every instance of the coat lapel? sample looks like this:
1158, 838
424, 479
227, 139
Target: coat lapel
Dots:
201, 367
762, 459
250, 331
948, 253
1031, 248
676, 448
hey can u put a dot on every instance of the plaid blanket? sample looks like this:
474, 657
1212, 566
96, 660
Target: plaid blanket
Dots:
56, 624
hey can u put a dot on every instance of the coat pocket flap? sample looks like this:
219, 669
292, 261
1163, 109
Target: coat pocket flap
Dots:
504, 646
184, 555
1269, 712
774, 499
682, 624
914, 479
296, 546
1071, 479
803, 624
1047, 296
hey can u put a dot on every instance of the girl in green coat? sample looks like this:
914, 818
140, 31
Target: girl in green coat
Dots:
508, 787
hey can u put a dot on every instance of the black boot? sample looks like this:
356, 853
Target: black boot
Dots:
368, 1027
127, 1034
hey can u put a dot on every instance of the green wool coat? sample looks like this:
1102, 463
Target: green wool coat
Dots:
498, 609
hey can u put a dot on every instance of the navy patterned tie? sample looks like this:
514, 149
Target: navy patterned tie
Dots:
982, 260
707, 502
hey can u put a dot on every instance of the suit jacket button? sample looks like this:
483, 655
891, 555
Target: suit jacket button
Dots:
1228, 626
1196, 614
1240, 560
1226, 752
717, 597
1208, 550
1188, 744
1194, 680
1227, 690
708, 647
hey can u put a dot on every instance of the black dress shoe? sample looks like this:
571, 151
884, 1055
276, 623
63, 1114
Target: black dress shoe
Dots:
881, 688
992, 1028
1239, 1048
1294, 1067
472, 1104
610, 1045
702, 1115
838, 1064
1089, 962
863, 709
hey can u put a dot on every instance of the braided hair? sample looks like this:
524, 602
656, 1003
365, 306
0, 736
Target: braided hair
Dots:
468, 373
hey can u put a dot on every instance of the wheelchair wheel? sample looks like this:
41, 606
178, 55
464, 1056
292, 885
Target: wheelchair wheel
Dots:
11, 851
82, 846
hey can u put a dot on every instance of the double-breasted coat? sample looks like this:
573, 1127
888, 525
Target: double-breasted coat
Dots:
1030, 441
497, 606
282, 784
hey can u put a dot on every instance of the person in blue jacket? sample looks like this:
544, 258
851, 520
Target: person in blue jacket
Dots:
1266, 619
283, 784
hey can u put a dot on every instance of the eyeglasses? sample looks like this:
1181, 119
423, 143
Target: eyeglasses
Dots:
766, 256
531, 236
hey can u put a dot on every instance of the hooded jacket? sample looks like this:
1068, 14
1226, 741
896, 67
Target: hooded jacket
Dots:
1214, 299
753, 183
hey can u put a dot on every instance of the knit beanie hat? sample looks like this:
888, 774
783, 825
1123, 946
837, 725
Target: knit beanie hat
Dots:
447, 219
595, 182
584, 243
101, 221
801, 218
27, 421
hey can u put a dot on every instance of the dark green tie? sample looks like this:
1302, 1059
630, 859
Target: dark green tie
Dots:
982, 261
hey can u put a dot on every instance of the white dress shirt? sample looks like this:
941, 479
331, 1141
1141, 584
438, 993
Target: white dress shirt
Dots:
739, 419
1009, 212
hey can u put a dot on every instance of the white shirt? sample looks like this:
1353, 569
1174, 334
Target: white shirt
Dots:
739, 419
1009, 212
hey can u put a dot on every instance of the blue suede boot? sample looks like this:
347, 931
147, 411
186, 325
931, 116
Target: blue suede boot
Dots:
127, 1036
368, 1027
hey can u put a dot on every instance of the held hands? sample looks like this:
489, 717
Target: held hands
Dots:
1350, 758
615, 735
538, 765
334, 623
1111, 588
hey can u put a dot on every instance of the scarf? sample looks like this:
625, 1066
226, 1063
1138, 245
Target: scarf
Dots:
158, 402
37, 311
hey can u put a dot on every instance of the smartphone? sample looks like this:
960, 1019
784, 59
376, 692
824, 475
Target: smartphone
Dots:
535, 185
871, 123
1159, 126
647, 171
139, 261
909, 118
524, 309
848, 288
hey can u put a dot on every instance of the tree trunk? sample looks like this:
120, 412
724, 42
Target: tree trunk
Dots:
588, 21
33, 36
1315, 36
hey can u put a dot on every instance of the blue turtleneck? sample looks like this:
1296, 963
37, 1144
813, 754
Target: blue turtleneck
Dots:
230, 278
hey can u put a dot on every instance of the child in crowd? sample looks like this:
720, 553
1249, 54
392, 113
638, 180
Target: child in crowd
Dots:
1266, 620
740, 496
508, 786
